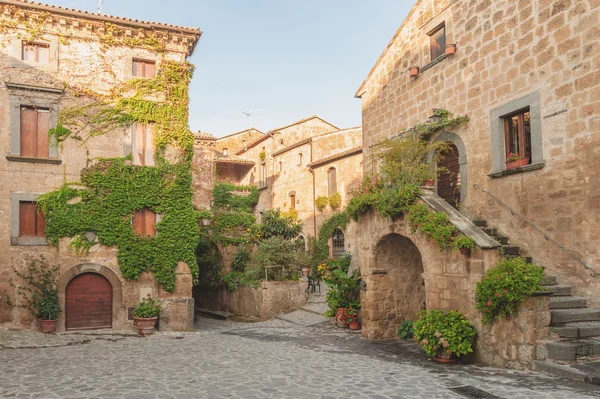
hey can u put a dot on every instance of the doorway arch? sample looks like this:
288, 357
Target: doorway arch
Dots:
88, 302
446, 136
338, 242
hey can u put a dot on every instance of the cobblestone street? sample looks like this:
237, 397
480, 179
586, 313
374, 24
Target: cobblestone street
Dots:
274, 359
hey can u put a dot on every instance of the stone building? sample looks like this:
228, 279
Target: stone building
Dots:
54, 59
527, 75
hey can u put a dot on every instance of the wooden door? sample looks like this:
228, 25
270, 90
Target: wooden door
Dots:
448, 186
89, 302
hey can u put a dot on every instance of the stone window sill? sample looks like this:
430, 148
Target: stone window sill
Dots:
523, 169
18, 158
262, 187
28, 241
433, 63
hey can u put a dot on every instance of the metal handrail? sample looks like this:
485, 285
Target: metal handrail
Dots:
533, 226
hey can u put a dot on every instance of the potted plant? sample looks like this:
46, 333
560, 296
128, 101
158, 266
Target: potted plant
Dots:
406, 329
352, 318
450, 49
413, 71
330, 313
465, 245
40, 295
516, 161
429, 182
145, 315
444, 336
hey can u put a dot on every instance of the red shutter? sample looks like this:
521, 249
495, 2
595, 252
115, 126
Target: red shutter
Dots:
138, 222
150, 222
43, 126
28, 132
40, 223
27, 224
149, 70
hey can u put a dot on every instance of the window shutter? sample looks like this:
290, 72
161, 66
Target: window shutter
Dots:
149, 70
136, 66
138, 144
150, 222
149, 145
43, 126
40, 222
138, 222
27, 224
28, 132
332, 181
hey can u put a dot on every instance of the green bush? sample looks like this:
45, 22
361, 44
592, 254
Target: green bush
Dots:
233, 280
40, 295
464, 242
274, 251
506, 286
335, 201
275, 225
435, 225
240, 260
147, 308
439, 333
406, 329
344, 289
321, 203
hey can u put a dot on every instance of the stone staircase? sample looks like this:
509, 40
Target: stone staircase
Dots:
573, 350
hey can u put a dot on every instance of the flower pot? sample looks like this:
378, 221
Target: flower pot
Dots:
450, 49
48, 326
305, 271
517, 164
341, 318
429, 183
465, 251
145, 326
445, 360
353, 325
413, 71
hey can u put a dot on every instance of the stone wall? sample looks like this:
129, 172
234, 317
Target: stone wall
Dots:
509, 51
235, 142
268, 300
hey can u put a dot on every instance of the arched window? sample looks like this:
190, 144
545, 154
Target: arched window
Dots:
280, 167
338, 243
300, 159
331, 181
293, 200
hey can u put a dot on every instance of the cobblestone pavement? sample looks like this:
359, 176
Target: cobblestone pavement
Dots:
274, 359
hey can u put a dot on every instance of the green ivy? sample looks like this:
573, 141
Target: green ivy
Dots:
224, 197
506, 286
321, 245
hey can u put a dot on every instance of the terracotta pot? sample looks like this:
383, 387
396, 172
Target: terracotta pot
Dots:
450, 49
517, 164
48, 326
444, 357
145, 326
413, 71
341, 318
465, 251
354, 325
429, 183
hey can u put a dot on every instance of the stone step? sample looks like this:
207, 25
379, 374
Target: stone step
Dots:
568, 302
561, 316
480, 223
577, 330
528, 259
550, 280
569, 351
502, 240
490, 232
559, 290
213, 314
589, 373
507, 250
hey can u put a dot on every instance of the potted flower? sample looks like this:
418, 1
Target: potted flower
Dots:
429, 182
352, 318
450, 49
40, 295
145, 315
465, 245
516, 161
413, 71
444, 336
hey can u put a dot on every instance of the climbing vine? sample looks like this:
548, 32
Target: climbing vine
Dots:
329, 226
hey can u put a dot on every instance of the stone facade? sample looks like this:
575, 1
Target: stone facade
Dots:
511, 54
72, 37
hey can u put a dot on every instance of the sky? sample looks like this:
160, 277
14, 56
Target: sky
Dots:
289, 58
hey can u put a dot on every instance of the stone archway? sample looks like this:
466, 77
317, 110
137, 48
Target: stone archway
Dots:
395, 287
111, 276
446, 136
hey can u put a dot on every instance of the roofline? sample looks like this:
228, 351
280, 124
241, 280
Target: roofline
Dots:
360, 90
292, 146
241, 131
101, 17
305, 120
332, 158
255, 142
235, 161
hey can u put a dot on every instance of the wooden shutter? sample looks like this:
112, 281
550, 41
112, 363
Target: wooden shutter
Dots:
40, 222
28, 132
138, 222
150, 222
292, 201
149, 144
43, 126
27, 211
137, 148
149, 70
332, 181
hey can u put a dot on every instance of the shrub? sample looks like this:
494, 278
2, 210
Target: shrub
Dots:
321, 203
435, 225
464, 242
440, 333
274, 224
40, 295
147, 308
335, 201
271, 252
506, 286
344, 290
406, 329
233, 280
240, 260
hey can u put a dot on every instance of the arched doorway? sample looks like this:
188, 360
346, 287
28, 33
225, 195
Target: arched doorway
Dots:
88, 302
395, 287
338, 244
448, 185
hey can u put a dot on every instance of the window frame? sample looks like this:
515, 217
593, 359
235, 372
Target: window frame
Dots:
143, 157
521, 149
431, 33
144, 63
16, 198
37, 46
39, 137
293, 201
143, 213
330, 192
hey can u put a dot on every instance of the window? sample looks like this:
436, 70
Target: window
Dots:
225, 152
144, 69
437, 39
292, 201
36, 52
338, 244
517, 135
331, 181
32, 222
144, 222
244, 144
143, 144
260, 217
263, 175
280, 167
300, 159
35, 124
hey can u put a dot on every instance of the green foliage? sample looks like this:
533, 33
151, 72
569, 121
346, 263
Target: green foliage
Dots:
209, 261
275, 251
241, 259
321, 203
39, 295
147, 308
344, 289
441, 333
435, 225
342, 263
320, 247
233, 280
114, 191
335, 201
446, 121
464, 242
406, 329
262, 155
233, 228
506, 286
275, 225
225, 197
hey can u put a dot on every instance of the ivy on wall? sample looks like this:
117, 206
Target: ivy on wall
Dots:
320, 252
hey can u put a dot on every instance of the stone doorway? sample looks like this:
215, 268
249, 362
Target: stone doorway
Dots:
89, 302
448, 185
395, 289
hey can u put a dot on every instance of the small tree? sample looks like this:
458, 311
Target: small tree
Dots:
274, 224
40, 295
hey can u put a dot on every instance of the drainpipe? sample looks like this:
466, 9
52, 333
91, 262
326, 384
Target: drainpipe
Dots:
312, 171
